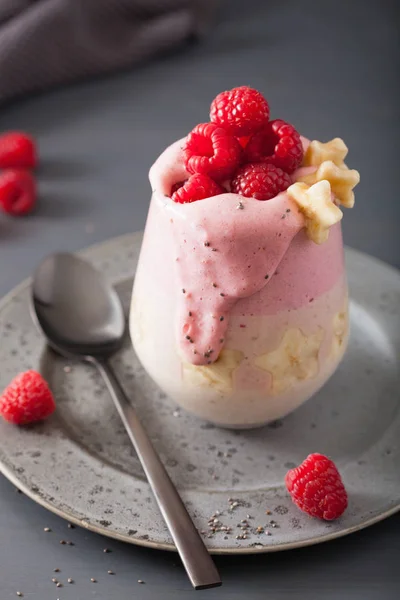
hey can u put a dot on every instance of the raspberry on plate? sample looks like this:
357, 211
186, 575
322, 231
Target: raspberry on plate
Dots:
17, 151
17, 192
317, 488
197, 187
261, 181
211, 151
27, 399
241, 111
277, 143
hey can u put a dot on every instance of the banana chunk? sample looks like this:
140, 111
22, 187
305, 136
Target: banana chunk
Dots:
342, 181
340, 330
318, 152
316, 204
295, 359
218, 375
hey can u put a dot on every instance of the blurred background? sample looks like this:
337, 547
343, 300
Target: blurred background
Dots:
105, 85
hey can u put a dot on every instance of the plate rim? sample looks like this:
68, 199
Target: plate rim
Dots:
172, 548
10, 475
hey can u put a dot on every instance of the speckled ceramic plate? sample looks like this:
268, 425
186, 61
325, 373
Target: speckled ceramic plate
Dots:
81, 465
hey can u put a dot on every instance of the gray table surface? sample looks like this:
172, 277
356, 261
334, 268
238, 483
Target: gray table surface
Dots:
329, 67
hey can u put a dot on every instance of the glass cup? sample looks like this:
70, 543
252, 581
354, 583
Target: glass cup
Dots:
279, 344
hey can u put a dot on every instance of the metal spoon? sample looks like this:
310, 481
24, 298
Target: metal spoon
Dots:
81, 316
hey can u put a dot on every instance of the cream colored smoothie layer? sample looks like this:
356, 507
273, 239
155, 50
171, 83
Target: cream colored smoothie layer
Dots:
269, 365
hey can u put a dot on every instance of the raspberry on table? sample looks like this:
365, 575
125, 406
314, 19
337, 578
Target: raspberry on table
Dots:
317, 488
27, 399
17, 151
277, 143
211, 151
241, 111
17, 192
261, 181
197, 187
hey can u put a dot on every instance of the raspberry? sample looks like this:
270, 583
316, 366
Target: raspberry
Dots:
17, 151
241, 111
317, 488
212, 151
260, 181
244, 140
27, 399
195, 188
279, 144
17, 192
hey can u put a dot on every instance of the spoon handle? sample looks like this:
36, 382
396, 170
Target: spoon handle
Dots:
197, 561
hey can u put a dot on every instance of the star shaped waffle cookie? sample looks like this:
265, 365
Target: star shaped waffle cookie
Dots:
342, 181
315, 202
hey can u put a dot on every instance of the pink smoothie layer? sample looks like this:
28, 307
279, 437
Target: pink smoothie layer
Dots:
227, 249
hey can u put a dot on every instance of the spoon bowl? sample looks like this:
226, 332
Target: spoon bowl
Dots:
78, 311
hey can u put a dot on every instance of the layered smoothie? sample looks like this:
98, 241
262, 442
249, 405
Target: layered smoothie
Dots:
239, 307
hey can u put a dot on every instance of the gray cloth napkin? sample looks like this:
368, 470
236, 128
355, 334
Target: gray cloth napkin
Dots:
49, 42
